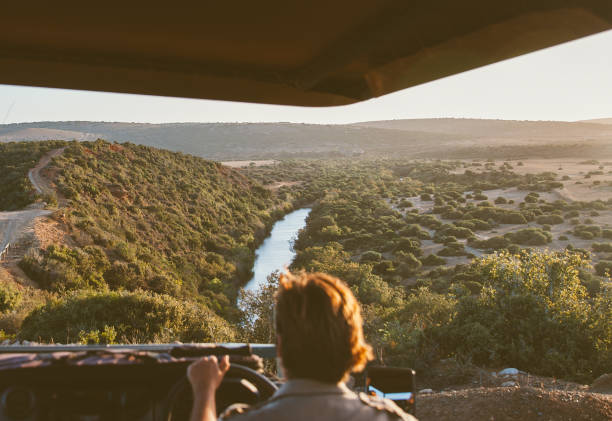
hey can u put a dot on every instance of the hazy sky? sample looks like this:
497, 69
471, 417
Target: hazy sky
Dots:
569, 82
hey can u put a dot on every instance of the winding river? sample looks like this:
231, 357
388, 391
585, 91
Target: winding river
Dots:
276, 252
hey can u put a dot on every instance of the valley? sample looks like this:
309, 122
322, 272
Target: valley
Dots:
130, 243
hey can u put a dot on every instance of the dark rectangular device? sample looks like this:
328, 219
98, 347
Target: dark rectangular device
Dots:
397, 384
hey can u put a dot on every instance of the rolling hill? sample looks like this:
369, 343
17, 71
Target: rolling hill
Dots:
421, 138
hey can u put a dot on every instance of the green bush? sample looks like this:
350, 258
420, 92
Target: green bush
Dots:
572, 214
556, 329
587, 232
136, 317
530, 237
603, 267
599, 247
452, 249
371, 256
10, 297
549, 220
433, 260
532, 198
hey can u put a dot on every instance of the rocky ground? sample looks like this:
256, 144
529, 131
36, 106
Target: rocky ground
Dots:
514, 403
459, 392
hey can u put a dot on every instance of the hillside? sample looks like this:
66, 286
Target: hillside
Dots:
424, 138
135, 218
16, 159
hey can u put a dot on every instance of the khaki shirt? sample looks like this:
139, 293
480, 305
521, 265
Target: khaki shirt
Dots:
302, 399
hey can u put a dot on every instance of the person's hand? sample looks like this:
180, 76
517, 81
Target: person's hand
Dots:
206, 374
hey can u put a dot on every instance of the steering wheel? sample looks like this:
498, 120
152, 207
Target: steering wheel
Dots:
238, 378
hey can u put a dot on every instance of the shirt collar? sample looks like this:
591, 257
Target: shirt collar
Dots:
308, 387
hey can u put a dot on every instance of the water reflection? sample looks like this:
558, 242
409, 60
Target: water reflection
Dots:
276, 252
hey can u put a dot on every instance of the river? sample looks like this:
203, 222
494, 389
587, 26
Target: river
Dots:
276, 251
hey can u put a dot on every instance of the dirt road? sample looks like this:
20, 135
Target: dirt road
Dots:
12, 224
37, 181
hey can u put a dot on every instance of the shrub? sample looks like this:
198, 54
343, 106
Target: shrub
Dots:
10, 297
455, 231
429, 221
549, 220
136, 317
556, 329
452, 249
512, 218
501, 200
433, 260
599, 247
603, 267
413, 230
572, 214
529, 237
587, 232
408, 245
371, 256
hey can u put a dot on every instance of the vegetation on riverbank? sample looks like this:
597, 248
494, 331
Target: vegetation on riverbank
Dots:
399, 234
469, 260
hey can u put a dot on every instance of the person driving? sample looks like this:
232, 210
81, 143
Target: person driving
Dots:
320, 342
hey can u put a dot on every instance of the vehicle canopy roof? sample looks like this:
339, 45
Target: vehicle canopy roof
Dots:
314, 53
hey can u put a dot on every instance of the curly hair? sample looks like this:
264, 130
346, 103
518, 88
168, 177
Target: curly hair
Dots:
319, 323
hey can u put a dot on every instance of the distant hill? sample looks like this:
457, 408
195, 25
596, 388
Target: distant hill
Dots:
419, 138
497, 129
598, 121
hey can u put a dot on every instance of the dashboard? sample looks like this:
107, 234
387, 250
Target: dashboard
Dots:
155, 391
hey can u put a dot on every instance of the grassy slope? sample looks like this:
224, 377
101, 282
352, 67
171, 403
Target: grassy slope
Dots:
143, 218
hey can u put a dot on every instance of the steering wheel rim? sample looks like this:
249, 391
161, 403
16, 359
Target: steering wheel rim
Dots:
264, 386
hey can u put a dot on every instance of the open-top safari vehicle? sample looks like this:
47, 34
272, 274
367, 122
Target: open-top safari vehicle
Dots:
146, 382
299, 53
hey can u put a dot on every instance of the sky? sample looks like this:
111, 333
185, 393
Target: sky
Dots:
569, 82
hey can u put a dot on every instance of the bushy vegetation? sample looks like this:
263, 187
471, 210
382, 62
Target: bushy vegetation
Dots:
534, 313
471, 312
16, 159
530, 237
161, 243
124, 317
143, 218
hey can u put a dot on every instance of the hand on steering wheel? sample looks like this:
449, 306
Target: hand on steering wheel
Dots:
236, 376
206, 374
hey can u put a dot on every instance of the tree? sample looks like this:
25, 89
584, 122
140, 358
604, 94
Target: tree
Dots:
257, 311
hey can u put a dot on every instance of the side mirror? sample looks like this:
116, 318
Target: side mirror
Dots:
397, 384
